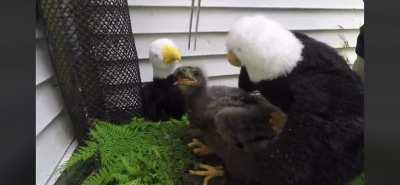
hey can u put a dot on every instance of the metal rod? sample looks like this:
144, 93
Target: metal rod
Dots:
190, 23
197, 24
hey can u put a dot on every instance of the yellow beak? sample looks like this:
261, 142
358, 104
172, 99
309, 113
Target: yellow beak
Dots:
233, 60
171, 54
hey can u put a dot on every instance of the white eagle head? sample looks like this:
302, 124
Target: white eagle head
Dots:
264, 47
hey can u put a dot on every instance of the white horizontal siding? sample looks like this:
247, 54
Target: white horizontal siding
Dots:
54, 133
304, 4
58, 170
48, 105
230, 80
51, 146
146, 20
176, 19
333, 22
44, 70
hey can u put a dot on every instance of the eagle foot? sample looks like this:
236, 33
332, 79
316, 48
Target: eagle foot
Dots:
199, 148
209, 173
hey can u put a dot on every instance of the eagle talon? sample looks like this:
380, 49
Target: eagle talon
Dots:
209, 173
199, 148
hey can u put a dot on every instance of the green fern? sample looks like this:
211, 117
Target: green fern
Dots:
81, 155
139, 153
360, 180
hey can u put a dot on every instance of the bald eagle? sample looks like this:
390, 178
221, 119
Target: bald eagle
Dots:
163, 100
234, 125
322, 142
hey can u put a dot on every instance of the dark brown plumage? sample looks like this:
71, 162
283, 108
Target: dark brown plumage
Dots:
234, 124
162, 100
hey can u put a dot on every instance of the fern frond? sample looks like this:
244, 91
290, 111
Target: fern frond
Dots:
81, 155
139, 153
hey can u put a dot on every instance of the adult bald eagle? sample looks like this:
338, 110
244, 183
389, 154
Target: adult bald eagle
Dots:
322, 142
163, 100
234, 124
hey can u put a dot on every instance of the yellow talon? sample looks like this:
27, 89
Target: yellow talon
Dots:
199, 148
210, 172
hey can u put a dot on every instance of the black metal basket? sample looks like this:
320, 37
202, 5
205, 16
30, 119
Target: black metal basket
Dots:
95, 60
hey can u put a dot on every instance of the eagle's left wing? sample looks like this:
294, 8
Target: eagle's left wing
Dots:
244, 127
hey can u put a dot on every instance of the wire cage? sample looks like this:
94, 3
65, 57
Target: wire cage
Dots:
93, 53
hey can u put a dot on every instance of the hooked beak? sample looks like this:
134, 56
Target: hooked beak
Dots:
171, 54
233, 60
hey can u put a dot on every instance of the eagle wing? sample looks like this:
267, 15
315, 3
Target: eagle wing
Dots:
245, 128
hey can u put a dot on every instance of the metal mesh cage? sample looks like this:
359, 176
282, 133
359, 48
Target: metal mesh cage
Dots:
94, 57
